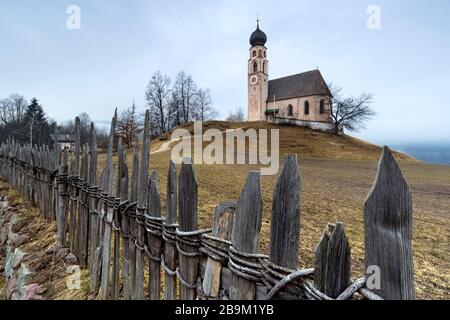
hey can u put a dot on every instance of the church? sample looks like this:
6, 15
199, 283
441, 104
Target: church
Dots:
302, 99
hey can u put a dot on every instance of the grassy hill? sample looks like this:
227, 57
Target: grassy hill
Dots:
337, 173
305, 142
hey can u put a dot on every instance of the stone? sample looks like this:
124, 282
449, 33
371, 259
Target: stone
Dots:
24, 277
41, 290
71, 259
62, 253
53, 248
11, 287
13, 260
30, 292
19, 240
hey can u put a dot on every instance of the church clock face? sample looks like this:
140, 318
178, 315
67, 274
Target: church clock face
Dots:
254, 79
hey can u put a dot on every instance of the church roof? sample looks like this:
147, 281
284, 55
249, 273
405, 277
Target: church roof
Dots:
298, 85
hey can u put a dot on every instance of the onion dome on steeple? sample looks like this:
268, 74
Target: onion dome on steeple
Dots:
258, 37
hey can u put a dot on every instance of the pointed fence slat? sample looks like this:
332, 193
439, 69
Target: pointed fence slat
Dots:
170, 249
107, 228
133, 224
285, 226
247, 226
124, 221
142, 199
222, 229
332, 264
187, 208
388, 230
154, 239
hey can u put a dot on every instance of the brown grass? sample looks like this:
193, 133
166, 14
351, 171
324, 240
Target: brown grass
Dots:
337, 173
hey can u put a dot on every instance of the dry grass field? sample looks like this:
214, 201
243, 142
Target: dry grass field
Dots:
337, 173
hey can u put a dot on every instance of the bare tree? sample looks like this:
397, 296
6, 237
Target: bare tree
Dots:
236, 116
85, 127
128, 125
157, 95
185, 90
203, 109
351, 113
12, 112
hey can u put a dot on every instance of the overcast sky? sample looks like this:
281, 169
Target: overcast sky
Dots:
108, 62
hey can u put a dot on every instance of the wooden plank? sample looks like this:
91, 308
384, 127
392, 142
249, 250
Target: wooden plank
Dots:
72, 217
245, 239
285, 223
82, 212
142, 198
133, 224
187, 208
332, 261
170, 250
124, 221
62, 203
154, 242
222, 229
106, 251
121, 174
76, 172
93, 201
388, 230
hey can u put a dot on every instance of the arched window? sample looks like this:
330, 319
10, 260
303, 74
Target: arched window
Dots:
255, 66
306, 107
260, 52
254, 53
322, 107
264, 66
264, 53
290, 110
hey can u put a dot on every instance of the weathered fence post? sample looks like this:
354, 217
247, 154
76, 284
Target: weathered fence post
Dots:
245, 239
187, 208
106, 252
133, 224
124, 221
142, 199
73, 202
222, 229
62, 202
285, 223
170, 249
83, 215
93, 199
122, 186
388, 231
332, 261
154, 240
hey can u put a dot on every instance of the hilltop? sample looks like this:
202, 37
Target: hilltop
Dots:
306, 143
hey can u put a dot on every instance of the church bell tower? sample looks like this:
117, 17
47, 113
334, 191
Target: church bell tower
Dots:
258, 79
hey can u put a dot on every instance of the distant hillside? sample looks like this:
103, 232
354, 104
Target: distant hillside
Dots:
307, 143
432, 153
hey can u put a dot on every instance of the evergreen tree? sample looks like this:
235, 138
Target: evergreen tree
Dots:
36, 126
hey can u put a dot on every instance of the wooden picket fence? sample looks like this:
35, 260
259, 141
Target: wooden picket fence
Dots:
114, 224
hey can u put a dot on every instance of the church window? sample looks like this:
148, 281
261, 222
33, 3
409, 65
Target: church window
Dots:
254, 53
264, 67
290, 110
260, 53
264, 53
306, 107
255, 66
322, 107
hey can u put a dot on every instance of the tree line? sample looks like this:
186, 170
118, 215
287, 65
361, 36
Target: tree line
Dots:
24, 122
